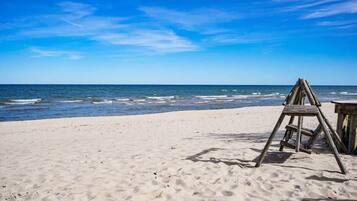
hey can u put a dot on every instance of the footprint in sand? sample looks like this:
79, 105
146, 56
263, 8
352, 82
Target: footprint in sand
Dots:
227, 193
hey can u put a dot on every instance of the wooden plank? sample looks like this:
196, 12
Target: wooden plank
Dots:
291, 146
301, 110
315, 136
304, 131
271, 137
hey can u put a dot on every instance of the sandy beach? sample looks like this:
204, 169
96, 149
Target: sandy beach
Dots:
187, 155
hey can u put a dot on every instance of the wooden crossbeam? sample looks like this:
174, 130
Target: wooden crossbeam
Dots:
301, 110
292, 146
304, 131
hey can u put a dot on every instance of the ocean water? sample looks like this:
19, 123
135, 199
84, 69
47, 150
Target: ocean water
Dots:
27, 102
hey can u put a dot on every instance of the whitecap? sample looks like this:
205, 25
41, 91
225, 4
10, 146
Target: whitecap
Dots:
212, 97
160, 97
70, 101
103, 102
202, 102
23, 101
348, 93
122, 99
139, 100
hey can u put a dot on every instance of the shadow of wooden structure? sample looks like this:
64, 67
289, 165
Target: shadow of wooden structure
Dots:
295, 107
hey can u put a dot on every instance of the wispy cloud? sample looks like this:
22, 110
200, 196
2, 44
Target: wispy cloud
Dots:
241, 38
159, 40
76, 10
39, 52
192, 19
308, 4
341, 24
80, 20
345, 7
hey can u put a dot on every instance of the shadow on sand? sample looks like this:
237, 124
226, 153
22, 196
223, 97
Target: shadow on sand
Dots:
272, 157
275, 158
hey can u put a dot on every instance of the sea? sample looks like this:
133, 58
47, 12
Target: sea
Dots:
31, 102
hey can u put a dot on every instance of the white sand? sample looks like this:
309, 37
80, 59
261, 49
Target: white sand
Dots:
157, 157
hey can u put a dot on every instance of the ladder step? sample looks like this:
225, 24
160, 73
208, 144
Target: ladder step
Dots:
304, 131
292, 146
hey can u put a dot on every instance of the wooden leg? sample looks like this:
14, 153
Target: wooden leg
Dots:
267, 145
331, 143
288, 134
340, 119
353, 130
298, 134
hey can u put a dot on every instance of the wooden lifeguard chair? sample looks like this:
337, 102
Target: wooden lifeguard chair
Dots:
295, 107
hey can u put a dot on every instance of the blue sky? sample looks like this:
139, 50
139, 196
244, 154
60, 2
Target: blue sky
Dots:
178, 42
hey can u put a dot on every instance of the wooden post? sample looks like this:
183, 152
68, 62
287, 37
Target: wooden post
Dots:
352, 133
308, 92
267, 145
300, 121
287, 134
298, 134
331, 143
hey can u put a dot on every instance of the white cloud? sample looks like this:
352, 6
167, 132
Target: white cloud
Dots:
346, 7
75, 10
39, 52
158, 40
241, 38
79, 20
192, 19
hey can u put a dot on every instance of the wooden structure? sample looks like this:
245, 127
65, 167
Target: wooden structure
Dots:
347, 124
295, 107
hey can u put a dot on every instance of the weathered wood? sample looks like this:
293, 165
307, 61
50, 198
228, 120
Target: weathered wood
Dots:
308, 92
315, 136
290, 98
304, 131
331, 143
317, 102
334, 133
267, 145
298, 134
300, 110
352, 133
346, 109
291, 146
294, 106
288, 133
340, 118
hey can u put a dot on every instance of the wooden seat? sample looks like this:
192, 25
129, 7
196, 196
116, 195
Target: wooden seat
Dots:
301, 110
